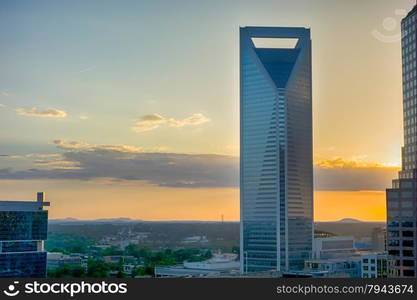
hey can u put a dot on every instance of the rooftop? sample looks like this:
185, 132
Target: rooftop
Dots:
25, 205
414, 10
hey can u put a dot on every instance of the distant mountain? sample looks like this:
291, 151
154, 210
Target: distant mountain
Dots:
349, 220
64, 220
116, 220
69, 221
349, 227
77, 221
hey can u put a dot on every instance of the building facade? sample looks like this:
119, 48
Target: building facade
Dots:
374, 265
379, 239
402, 197
23, 229
58, 259
333, 247
349, 267
276, 168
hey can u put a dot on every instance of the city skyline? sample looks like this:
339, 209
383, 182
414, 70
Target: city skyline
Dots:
100, 114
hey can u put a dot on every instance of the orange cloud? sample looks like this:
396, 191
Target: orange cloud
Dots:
339, 162
48, 113
150, 122
352, 175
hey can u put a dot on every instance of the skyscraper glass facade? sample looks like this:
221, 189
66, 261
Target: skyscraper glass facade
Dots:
402, 197
23, 228
276, 183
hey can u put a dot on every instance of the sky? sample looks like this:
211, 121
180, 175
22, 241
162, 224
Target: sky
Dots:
131, 108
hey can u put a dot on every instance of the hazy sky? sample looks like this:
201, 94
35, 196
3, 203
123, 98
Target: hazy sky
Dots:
132, 106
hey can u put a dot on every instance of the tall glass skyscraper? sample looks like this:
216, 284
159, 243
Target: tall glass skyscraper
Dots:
402, 197
23, 229
276, 168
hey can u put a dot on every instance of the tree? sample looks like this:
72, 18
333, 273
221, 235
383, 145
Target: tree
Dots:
121, 274
236, 250
97, 269
78, 272
63, 271
112, 251
207, 255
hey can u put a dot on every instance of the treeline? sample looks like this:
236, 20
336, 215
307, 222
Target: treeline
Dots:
68, 243
160, 234
146, 261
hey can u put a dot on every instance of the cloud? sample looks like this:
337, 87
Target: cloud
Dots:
83, 117
127, 163
4, 94
153, 121
62, 144
53, 162
11, 156
356, 163
29, 155
76, 145
124, 163
47, 155
160, 149
86, 70
48, 113
117, 148
58, 164
353, 175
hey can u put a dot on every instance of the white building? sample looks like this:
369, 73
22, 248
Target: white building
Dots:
333, 247
374, 265
195, 239
57, 259
219, 262
214, 267
349, 267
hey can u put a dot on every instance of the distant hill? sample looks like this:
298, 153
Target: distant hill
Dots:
69, 221
355, 228
77, 221
349, 220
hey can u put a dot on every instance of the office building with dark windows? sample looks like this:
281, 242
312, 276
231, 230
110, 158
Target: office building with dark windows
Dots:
276, 168
23, 229
402, 197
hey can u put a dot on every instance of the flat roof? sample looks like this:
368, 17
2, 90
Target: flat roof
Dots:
22, 205
412, 11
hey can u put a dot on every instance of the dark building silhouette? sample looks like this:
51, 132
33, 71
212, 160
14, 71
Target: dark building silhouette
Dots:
402, 197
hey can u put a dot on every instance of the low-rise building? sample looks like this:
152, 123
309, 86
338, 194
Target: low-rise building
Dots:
305, 274
333, 247
374, 265
57, 259
195, 239
180, 271
217, 266
220, 262
349, 267
115, 259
